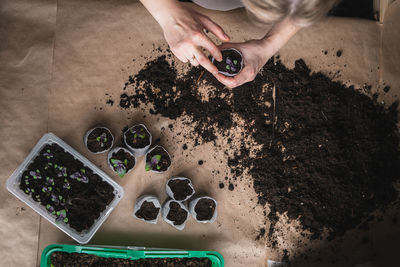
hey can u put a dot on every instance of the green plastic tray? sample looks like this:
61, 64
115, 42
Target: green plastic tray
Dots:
133, 253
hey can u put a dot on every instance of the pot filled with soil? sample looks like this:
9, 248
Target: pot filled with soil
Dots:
203, 209
175, 213
93, 256
137, 139
147, 208
121, 161
158, 160
65, 188
179, 188
98, 140
231, 64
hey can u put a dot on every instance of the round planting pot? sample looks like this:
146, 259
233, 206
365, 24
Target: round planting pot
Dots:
173, 212
98, 140
140, 146
221, 66
118, 167
153, 163
203, 209
145, 209
179, 188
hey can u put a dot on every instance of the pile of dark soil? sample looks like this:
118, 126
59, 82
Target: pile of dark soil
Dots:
65, 259
147, 211
176, 213
329, 154
204, 209
180, 188
70, 191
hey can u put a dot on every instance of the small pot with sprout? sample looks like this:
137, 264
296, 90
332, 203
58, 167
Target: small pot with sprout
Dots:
157, 160
99, 140
121, 161
137, 139
231, 64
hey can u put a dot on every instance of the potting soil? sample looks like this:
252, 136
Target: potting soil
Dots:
176, 214
65, 259
180, 188
204, 209
82, 201
147, 211
320, 151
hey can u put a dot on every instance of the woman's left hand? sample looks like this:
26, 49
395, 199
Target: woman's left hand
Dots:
255, 54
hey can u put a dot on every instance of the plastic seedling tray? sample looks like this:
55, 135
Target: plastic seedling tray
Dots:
133, 253
15, 179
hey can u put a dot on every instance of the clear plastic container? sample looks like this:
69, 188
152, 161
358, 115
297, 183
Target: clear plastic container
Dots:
14, 181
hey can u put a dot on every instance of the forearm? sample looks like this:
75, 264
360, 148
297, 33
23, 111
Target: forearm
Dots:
279, 35
161, 10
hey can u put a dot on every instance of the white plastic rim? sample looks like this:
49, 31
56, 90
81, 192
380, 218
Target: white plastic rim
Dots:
241, 63
115, 150
171, 194
15, 179
87, 135
148, 198
192, 205
165, 211
148, 152
137, 152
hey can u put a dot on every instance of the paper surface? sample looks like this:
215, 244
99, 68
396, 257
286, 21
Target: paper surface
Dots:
60, 58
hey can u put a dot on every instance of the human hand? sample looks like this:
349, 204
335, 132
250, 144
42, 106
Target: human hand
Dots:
184, 31
255, 54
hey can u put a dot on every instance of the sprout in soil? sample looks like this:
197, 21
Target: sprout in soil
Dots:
28, 190
102, 139
49, 181
119, 166
66, 184
153, 163
49, 164
47, 189
48, 154
54, 198
79, 177
231, 64
61, 216
62, 171
50, 209
141, 134
35, 174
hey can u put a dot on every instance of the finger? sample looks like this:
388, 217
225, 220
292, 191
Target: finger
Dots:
214, 28
194, 62
204, 61
206, 42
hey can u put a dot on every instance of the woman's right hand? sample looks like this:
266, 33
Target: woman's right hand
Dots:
184, 31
